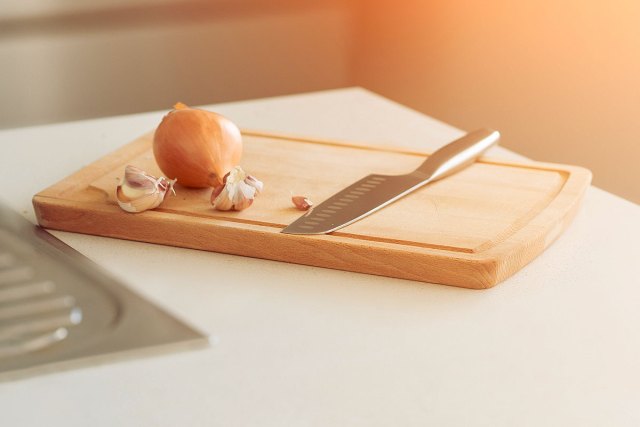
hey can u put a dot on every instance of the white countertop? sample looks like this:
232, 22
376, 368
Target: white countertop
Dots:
556, 344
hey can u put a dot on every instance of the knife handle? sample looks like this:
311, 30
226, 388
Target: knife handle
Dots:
457, 155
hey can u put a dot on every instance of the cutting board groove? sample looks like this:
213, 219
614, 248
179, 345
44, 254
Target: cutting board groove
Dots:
473, 229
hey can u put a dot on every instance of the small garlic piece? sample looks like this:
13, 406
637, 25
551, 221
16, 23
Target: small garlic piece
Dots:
140, 191
236, 192
301, 203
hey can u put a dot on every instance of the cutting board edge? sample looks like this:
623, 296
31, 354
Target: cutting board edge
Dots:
468, 270
471, 270
533, 239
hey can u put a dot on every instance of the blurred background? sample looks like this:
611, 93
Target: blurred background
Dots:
560, 80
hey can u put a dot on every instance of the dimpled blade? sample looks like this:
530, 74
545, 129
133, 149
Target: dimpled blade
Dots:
353, 203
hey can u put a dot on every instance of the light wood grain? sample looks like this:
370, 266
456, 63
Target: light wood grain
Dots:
471, 230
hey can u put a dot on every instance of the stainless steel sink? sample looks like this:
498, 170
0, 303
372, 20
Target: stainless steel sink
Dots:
58, 310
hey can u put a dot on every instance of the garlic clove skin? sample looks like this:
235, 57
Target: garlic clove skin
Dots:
139, 204
220, 198
141, 191
301, 203
258, 185
127, 192
137, 179
237, 191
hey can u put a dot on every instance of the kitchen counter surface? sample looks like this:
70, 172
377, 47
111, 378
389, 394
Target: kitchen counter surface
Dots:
556, 344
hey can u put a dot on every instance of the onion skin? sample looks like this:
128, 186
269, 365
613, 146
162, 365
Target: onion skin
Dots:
196, 147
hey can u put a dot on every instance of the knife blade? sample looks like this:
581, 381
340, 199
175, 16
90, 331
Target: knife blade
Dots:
374, 192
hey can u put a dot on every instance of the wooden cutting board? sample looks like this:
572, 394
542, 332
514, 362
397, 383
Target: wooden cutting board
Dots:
473, 229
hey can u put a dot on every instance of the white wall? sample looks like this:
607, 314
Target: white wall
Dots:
65, 66
560, 79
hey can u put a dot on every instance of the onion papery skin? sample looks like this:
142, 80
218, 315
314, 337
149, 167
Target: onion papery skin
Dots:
196, 147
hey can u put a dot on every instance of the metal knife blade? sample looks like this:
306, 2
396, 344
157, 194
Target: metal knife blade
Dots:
374, 192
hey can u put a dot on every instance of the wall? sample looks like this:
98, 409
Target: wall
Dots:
72, 61
561, 80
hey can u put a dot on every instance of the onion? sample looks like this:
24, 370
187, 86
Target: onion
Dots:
196, 147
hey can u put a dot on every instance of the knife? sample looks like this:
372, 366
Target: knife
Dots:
374, 192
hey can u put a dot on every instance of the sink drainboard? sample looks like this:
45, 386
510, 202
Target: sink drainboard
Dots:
58, 309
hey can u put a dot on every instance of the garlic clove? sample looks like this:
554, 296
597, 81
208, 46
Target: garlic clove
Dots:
220, 199
237, 191
138, 179
301, 203
138, 204
252, 181
243, 196
141, 191
129, 192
